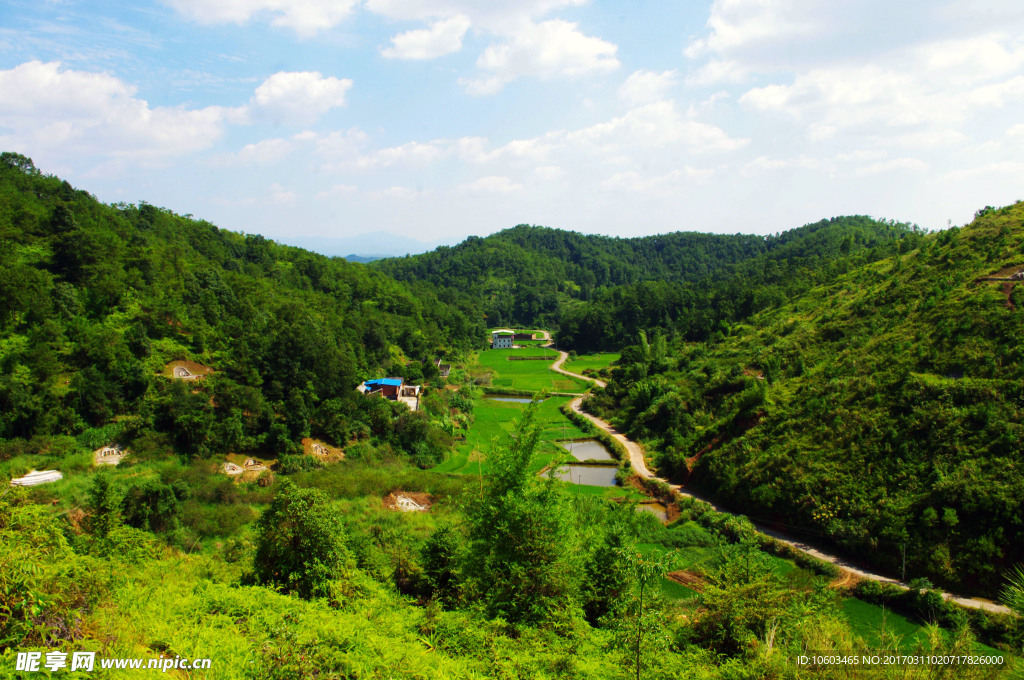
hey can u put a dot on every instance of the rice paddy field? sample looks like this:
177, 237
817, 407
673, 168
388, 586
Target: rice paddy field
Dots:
493, 421
527, 375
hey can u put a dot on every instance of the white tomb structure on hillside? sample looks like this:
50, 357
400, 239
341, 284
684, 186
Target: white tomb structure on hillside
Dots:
37, 477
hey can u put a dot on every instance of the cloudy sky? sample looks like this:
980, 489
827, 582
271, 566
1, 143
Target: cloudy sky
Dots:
436, 119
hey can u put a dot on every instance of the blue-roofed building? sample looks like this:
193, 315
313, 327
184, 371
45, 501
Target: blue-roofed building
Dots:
387, 387
394, 389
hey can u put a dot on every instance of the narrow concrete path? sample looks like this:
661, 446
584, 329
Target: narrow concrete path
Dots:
639, 463
562, 356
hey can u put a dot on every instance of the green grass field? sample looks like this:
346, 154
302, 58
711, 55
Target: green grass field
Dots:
530, 375
493, 420
876, 624
593, 361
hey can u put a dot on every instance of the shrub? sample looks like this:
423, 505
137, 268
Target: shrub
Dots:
299, 543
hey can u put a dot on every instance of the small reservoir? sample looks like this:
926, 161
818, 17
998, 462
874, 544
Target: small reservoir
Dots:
508, 397
588, 475
588, 449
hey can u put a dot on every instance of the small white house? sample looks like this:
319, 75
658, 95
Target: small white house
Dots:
502, 339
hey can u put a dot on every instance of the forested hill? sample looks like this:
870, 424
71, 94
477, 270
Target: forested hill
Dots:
97, 300
532, 275
881, 411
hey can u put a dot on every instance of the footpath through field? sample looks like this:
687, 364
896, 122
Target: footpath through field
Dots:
636, 458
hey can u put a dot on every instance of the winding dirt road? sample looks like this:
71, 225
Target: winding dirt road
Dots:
639, 463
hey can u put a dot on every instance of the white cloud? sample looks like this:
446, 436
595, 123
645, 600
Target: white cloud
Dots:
492, 184
495, 17
548, 173
536, 149
718, 71
862, 155
339, 190
396, 193
660, 185
472, 149
411, 154
443, 37
766, 164
305, 17
967, 60
655, 125
545, 50
264, 152
857, 95
94, 115
931, 139
738, 23
644, 87
341, 146
1013, 168
298, 96
894, 165
279, 194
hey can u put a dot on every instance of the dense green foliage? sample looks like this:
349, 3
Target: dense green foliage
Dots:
600, 290
97, 300
881, 410
300, 546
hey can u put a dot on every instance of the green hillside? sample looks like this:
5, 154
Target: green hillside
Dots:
96, 301
882, 410
599, 289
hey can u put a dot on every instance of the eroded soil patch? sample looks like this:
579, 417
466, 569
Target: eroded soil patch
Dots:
408, 501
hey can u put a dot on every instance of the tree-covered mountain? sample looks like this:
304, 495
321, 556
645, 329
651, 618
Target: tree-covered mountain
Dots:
97, 300
883, 410
600, 289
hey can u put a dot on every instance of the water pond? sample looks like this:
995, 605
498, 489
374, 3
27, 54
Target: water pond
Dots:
588, 475
589, 449
657, 509
508, 397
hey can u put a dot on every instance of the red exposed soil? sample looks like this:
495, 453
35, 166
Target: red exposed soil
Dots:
671, 508
424, 499
76, 518
192, 367
742, 426
321, 450
845, 581
1007, 289
688, 579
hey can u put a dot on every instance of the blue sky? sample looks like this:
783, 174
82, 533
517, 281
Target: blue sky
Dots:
437, 119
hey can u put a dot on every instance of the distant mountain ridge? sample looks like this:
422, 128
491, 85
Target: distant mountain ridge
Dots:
530, 275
